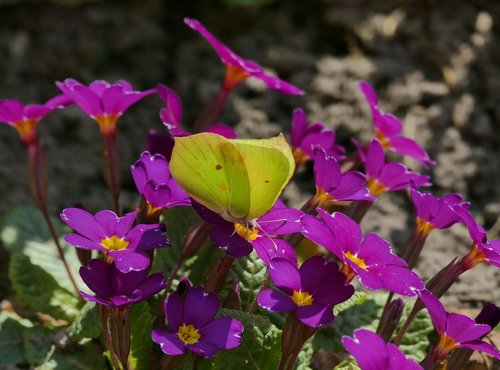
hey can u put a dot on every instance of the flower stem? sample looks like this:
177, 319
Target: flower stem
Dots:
358, 209
104, 314
211, 113
111, 161
218, 276
60, 251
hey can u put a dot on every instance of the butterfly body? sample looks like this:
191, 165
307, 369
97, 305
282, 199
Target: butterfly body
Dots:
238, 179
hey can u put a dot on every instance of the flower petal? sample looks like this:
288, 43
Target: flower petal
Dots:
223, 332
168, 341
315, 315
275, 301
200, 307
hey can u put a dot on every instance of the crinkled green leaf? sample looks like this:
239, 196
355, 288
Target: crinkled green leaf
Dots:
87, 357
347, 365
259, 349
39, 291
23, 230
304, 358
141, 344
87, 324
356, 299
249, 272
12, 338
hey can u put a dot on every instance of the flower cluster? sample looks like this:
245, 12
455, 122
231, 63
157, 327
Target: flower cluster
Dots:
239, 182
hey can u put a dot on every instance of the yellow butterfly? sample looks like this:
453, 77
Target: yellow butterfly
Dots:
238, 179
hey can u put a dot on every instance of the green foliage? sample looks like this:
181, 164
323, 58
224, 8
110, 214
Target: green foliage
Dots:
141, 325
259, 349
88, 357
12, 338
87, 324
39, 291
347, 365
249, 272
37, 274
356, 299
304, 358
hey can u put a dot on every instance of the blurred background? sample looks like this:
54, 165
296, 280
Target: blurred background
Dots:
433, 63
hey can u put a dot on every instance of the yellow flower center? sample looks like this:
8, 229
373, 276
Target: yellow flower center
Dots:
356, 260
26, 128
375, 187
114, 243
188, 334
474, 257
246, 232
322, 198
107, 122
382, 139
446, 344
424, 227
302, 298
300, 157
234, 76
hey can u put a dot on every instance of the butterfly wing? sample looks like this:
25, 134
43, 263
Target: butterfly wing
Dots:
209, 168
269, 165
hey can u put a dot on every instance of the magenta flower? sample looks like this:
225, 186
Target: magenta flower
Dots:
371, 260
192, 326
115, 236
102, 101
455, 331
160, 143
239, 240
483, 250
152, 178
310, 291
388, 130
371, 352
24, 118
332, 185
383, 177
305, 138
435, 213
238, 68
117, 289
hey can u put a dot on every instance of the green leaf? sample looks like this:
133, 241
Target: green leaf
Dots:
250, 272
24, 231
88, 357
141, 325
347, 365
356, 299
87, 324
12, 338
259, 349
39, 291
305, 356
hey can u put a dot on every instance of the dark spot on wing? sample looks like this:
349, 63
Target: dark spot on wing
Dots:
218, 167
267, 181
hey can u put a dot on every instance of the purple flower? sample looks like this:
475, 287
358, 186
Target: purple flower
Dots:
117, 289
371, 260
114, 235
332, 185
154, 183
239, 240
434, 213
373, 353
311, 291
305, 138
483, 250
160, 143
192, 326
102, 101
455, 330
171, 116
388, 130
383, 177
238, 68
24, 118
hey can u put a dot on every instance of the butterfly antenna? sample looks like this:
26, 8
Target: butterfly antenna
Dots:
269, 236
